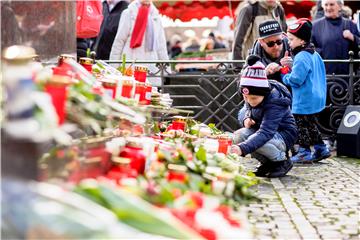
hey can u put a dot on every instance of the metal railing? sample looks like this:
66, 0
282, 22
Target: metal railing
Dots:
214, 97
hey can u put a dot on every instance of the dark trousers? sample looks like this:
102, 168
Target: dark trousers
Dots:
309, 133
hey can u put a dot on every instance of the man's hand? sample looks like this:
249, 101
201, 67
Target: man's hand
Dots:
272, 68
348, 35
248, 122
286, 60
235, 149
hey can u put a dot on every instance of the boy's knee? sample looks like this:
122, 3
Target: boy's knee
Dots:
241, 135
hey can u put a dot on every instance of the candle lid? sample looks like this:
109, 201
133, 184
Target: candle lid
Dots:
140, 83
66, 56
141, 68
107, 80
134, 142
18, 53
85, 60
180, 118
177, 167
127, 82
120, 160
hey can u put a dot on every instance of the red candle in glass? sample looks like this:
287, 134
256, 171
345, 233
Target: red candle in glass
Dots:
223, 145
57, 89
126, 89
63, 57
140, 73
110, 87
148, 90
140, 90
179, 123
177, 173
121, 169
133, 151
86, 63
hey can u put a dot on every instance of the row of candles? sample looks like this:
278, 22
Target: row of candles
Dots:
115, 86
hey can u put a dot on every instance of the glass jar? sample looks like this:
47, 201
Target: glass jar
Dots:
126, 88
177, 173
178, 123
140, 73
86, 63
57, 88
110, 87
140, 90
223, 145
18, 82
121, 169
63, 57
133, 150
148, 91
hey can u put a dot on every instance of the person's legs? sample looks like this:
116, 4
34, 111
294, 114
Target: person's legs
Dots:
321, 150
275, 151
304, 139
242, 134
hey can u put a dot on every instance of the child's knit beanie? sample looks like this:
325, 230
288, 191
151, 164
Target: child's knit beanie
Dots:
301, 28
253, 80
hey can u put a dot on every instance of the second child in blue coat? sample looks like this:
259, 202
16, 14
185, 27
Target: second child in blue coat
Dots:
308, 83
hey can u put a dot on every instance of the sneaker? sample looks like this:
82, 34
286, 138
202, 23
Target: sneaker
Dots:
321, 152
303, 156
280, 169
263, 169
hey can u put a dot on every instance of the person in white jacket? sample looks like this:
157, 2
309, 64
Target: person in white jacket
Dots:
140, 37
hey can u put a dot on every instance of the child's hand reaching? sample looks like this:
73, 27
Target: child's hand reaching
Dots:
248, 122
235, 149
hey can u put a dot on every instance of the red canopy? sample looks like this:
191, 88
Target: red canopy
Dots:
185, 11
198, 9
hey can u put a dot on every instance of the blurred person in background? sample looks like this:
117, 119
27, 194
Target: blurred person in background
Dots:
112, 10
207, 44
11, 33
140, 34
334, 36
217, 44
175, 46
250, 16
317, 11
192, 44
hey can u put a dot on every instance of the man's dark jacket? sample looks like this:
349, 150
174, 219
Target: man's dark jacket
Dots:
271, 116
109, 29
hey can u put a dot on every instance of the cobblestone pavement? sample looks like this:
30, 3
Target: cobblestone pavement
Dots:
316, 201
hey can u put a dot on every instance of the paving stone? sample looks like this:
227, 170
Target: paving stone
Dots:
330, 234
325, 227
350, 231
318, 201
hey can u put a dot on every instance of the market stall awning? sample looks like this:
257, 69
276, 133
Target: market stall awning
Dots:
188, 10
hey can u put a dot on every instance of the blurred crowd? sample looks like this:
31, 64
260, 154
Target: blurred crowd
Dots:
135, 28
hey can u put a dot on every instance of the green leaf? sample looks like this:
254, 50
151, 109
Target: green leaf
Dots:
88, 52
201, 154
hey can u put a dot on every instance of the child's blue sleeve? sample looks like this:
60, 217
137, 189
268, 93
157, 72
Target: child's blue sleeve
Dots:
298, 74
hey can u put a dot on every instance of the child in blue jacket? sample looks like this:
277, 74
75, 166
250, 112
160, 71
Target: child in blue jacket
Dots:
307, 80
268, 126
